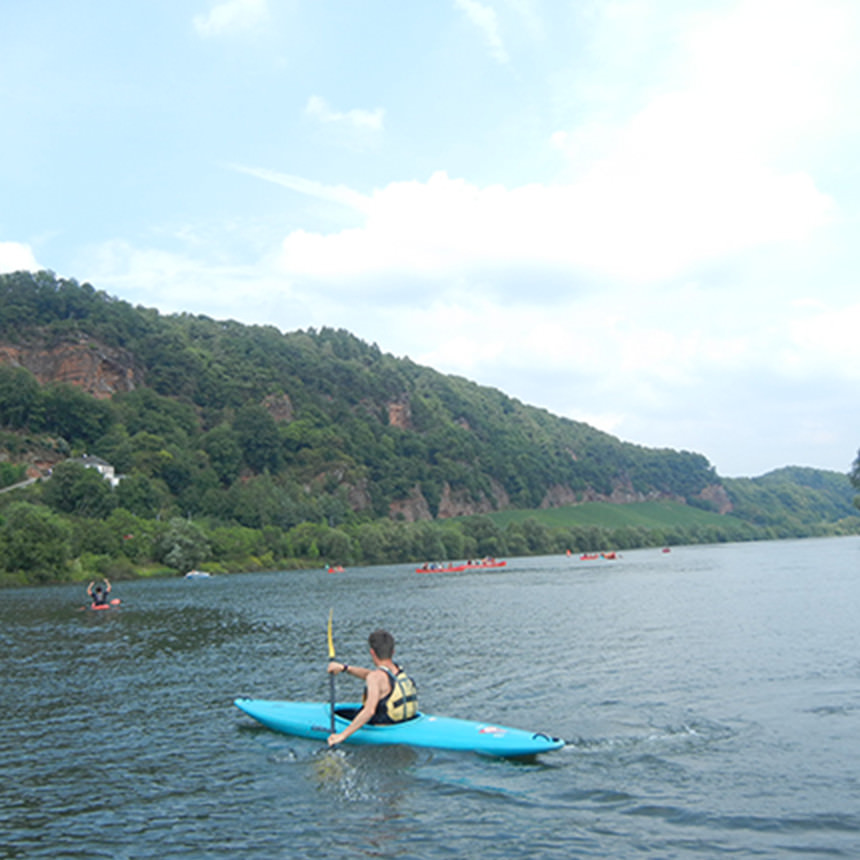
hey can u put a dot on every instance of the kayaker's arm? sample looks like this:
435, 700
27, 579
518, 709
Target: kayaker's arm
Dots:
359, 672
375, 681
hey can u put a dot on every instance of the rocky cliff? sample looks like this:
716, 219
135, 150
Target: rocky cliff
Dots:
97, 369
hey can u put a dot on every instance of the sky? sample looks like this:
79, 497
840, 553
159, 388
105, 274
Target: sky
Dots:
640, 214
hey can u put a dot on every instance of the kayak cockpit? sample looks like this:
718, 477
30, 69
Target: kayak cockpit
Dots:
348, 712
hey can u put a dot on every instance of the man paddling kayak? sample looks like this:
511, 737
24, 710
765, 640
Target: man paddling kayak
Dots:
390, 695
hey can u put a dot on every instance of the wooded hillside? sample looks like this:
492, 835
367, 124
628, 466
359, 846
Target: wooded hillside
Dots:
309, 433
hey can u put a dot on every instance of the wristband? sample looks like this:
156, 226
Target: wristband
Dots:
345, 667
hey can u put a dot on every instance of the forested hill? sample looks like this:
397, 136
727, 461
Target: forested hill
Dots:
229, 425
322, 417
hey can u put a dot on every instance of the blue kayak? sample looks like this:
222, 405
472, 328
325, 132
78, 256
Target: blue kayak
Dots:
313, 720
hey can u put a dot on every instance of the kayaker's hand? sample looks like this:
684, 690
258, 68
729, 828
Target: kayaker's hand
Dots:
335, 668
335, 739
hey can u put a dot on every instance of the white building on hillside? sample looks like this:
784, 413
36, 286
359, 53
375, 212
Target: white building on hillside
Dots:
105, 469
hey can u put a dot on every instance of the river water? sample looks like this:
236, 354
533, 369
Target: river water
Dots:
710, 697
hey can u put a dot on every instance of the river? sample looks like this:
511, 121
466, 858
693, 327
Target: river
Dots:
710, 698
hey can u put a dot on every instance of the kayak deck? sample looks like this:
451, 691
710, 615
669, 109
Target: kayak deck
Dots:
313, 720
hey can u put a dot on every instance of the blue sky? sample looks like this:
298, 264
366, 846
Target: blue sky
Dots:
642, 214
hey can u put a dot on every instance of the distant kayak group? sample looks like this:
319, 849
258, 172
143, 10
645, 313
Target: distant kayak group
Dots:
459, 567
610, 556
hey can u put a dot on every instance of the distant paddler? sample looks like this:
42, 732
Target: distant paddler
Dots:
98, 592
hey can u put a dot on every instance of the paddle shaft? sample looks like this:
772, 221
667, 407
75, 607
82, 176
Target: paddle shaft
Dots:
331, 674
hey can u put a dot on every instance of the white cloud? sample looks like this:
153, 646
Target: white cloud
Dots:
692, 176
485, 19
318, 108
620, 220
15, 257
230, 16
772, 67
824, 340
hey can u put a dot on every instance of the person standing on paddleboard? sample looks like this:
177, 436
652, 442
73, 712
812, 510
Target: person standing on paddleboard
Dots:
390, 695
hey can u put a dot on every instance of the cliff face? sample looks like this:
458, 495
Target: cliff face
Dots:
716, 494
453, 503
97, 369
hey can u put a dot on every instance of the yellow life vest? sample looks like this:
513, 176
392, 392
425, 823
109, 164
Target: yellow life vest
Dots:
401, 702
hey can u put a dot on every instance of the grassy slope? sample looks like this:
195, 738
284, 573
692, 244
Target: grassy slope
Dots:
641, 514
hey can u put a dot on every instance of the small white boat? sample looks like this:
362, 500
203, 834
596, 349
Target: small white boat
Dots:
197, 574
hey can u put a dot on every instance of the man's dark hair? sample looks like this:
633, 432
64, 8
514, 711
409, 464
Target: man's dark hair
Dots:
382, 643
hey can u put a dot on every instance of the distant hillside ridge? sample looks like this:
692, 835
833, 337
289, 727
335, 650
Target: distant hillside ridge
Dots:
318, 410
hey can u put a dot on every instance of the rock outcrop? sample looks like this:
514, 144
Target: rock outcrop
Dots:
91, 366
716, 494
400, 415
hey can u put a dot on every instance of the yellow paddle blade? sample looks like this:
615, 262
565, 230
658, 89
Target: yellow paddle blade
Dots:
330, 639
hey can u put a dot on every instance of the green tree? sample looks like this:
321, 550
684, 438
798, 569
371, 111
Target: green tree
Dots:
19, 396
182, 545
489, 538
235, 543
75, 489
257, 434
855, 478
225, 454
97, 537
335, 546
36, 541
453, 541
306, 538
142, 495
145, 411
74, 415
11, 474
135, 534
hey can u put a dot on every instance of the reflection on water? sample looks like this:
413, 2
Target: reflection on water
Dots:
709, 697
